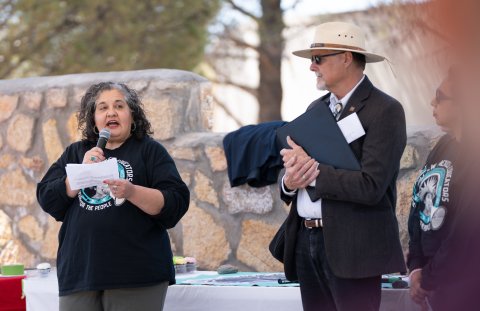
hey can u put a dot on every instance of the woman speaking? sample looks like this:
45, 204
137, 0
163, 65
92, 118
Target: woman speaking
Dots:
114, 251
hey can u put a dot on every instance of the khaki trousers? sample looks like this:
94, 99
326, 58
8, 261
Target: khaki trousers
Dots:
151, 298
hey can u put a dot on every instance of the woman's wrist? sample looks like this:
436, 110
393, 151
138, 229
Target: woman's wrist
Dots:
70, 193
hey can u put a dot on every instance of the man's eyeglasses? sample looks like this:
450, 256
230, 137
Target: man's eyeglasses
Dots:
317, 59
440, 96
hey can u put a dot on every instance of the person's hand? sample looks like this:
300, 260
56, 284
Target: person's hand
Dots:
121, 188
93, 155
296, 151
301, 169
300, 173
71, 193
417, 293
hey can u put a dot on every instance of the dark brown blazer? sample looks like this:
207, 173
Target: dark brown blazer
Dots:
358, 207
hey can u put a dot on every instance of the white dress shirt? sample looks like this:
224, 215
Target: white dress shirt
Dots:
305, 207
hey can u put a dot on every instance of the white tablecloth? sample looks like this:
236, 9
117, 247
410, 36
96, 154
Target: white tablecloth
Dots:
42, 295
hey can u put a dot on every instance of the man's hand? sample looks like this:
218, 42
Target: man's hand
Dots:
296, 151
417, 293
301, 169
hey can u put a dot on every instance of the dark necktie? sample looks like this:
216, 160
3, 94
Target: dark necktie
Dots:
336, 114
338, 109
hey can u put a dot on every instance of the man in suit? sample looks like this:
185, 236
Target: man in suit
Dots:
342, 233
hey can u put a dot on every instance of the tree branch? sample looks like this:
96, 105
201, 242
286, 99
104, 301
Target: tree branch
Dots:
241, 43
241, 10
228, 34
216, 55
64, 25
228, 111
7, 13
226, 81
293, 6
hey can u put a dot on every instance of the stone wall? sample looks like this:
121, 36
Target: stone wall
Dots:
223, 225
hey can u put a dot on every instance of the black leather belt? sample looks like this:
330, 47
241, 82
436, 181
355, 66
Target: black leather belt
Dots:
313, 223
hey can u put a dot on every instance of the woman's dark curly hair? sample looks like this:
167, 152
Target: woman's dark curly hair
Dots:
86, 114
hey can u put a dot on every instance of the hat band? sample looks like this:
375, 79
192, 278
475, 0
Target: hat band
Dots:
336, 46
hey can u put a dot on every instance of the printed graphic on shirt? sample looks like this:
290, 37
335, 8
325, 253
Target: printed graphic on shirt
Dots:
100, 197
431, 194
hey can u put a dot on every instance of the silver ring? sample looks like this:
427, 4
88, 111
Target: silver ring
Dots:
93, 158
115, 188
303, 177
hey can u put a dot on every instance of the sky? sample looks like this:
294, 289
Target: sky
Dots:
314, 7
305, 8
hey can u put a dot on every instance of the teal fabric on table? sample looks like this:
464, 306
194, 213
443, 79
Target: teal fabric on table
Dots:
260, 279
236, 279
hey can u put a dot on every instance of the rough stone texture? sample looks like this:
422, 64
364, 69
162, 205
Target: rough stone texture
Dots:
51, 141
16, 190
204, 189
30, 226
50, 245
186, 177
35, 164
32, 100
253, 248
6, 160
183, 153
245, 199
56, 98
5, 229
162, 117
207, 105
138, 85
15, 252
20, 132
218, 228
404, 195
204, 238
72, 128
216, 155
8, 103
78, 93
409, 158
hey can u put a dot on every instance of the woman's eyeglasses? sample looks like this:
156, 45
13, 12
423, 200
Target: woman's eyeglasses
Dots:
317, 59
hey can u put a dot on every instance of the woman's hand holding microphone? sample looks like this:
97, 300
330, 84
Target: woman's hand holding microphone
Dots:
93, 155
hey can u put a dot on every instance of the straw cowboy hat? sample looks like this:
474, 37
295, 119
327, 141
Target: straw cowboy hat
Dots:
339, 36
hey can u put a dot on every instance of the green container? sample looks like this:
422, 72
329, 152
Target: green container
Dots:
13, 269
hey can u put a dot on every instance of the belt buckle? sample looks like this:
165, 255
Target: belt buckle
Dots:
318, 223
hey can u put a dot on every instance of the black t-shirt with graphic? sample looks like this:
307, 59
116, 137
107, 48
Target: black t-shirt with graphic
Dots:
432, 208
106, 242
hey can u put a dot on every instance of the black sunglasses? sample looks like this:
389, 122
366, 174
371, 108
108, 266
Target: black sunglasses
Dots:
440, 96
317, 59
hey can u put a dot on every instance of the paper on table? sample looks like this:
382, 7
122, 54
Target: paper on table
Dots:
88, 175
351, 127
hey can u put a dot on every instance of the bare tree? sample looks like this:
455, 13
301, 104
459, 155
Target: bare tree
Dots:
232, 45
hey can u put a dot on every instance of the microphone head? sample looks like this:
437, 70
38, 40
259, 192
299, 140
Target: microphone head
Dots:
104, 133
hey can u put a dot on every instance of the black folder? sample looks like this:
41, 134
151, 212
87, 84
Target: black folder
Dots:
318, 133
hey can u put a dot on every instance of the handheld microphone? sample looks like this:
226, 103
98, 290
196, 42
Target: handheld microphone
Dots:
103, 137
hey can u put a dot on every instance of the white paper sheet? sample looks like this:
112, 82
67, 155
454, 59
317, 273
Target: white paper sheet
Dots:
351, 127
83, 176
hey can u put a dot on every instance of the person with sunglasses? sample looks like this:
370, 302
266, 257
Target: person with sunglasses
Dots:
433, 200
342, 234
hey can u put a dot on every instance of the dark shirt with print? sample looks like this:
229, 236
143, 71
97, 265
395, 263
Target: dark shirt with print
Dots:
433, 208
107, 242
